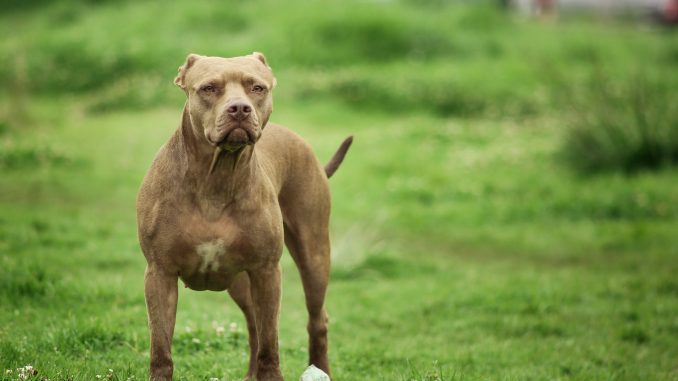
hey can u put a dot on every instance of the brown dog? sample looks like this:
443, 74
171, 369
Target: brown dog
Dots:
215, 209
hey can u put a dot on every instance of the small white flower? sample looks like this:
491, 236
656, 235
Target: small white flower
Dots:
8, 371
98, 376
196, 340
25, 372
233, 327
220, 330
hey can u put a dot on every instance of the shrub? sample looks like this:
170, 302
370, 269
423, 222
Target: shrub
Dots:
626, 125
135, 93
13, 157
374, 37
441, 88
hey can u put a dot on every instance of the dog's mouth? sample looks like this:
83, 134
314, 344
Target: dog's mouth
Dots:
237, 138
232, 139
233, 142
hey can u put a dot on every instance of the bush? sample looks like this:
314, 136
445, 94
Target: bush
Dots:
624, 125
14, 157
440, 88
374, 38
135, 93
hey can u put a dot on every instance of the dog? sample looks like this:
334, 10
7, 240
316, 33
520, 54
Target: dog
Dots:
221, 198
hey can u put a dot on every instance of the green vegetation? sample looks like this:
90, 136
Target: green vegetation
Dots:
468, 244
628, 126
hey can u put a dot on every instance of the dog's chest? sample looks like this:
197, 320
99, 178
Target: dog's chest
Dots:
210, 253
210, 265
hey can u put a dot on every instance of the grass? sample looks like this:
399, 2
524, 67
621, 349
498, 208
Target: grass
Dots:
464, 245
629, 127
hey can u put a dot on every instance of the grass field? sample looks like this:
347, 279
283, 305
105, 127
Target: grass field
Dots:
465, 247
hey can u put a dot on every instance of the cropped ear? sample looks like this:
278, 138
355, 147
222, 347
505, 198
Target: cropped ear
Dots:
260, 57
183, 69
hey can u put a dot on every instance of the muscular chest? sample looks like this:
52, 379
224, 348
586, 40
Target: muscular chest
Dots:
208, 251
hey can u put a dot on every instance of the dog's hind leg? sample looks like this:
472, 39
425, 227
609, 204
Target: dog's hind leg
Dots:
310, 248
240, 292
305, 204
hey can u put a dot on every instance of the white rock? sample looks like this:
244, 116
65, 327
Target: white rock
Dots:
314, 374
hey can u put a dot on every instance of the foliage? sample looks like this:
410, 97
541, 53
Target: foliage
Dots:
451, 59
624, 126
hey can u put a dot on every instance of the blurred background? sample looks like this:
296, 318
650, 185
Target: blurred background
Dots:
508, 211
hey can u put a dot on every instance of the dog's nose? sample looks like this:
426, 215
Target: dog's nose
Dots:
239, 110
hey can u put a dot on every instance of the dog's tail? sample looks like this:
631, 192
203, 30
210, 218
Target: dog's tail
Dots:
338, 157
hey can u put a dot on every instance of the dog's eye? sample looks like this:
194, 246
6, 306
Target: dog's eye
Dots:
258, 88
208, 88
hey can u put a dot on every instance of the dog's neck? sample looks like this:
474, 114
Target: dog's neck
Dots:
217, 182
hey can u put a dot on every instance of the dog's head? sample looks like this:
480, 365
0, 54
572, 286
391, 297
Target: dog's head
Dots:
229, 99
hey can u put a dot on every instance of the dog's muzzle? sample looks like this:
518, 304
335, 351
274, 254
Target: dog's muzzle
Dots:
236, 127
237, 137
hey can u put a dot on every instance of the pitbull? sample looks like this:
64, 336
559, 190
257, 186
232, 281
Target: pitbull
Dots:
219, 201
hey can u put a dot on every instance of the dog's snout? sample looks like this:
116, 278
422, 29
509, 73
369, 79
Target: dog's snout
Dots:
239, 110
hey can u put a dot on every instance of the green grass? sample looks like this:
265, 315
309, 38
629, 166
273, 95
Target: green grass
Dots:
629, 127
464, 245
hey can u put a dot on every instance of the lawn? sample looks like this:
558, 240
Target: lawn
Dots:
465, 247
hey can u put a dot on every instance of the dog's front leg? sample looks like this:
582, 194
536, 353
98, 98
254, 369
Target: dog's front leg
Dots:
266, 290
161, 302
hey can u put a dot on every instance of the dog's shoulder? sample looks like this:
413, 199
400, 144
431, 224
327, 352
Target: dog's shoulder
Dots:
280, 140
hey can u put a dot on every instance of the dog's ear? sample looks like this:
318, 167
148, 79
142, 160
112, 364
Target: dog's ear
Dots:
183, 69
262, 59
